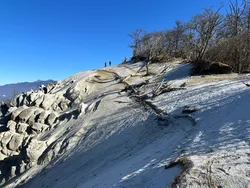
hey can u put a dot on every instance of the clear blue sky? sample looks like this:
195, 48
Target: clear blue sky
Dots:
53, 39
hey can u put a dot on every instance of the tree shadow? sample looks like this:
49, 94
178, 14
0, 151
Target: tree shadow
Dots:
109, 134
223, 124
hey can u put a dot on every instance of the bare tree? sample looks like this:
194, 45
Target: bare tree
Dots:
234, 23
153, 44
207, 36
246, 17
146, 46
234, 26
204, 27
137, 45
179, 37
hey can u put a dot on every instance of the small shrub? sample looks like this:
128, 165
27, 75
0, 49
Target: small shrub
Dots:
200, 66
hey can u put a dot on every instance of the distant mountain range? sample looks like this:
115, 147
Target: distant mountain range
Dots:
9, 90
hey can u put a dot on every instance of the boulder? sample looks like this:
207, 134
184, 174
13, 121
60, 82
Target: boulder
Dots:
42, 116
51, 87
22, 127
34, 96
15, 142
50, 153
63, 105
31, 120
11, 125
34, 117
55, 106
5, 138
26, 113
5, 151
51, 119
34, 150
16, 112
48, 101
72, 94
38, 111
11, 109
39, 127
38, 101
83, 108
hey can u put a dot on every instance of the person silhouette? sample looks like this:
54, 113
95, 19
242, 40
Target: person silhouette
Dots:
105, 64
110, 63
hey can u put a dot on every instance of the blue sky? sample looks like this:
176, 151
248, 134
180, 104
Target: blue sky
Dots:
53, 39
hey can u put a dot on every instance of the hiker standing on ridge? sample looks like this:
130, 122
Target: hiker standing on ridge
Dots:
105, 64
109, 63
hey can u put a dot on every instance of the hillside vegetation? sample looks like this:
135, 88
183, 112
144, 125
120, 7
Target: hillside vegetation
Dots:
207, 38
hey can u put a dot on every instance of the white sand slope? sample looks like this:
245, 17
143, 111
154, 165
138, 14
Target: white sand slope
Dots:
120, 143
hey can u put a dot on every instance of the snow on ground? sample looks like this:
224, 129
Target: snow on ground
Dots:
126, 147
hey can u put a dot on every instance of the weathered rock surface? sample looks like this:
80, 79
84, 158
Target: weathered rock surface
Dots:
15, 142
39, 127
31, 115
22, 128
16, 112
51, 119
25, 114
11, 126
87, 128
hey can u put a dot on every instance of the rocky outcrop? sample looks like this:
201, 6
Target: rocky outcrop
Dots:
36, 124
29, 116
40, 126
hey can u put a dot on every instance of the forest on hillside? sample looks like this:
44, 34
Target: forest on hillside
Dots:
206, 38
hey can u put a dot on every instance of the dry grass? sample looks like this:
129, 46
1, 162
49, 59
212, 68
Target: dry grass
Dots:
194, 80
187, 164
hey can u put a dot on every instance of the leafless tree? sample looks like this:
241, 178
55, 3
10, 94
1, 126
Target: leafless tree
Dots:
147, 45
234, 23
234, 26
204, 27
136, 44
179, 37
225, 52
206, 37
